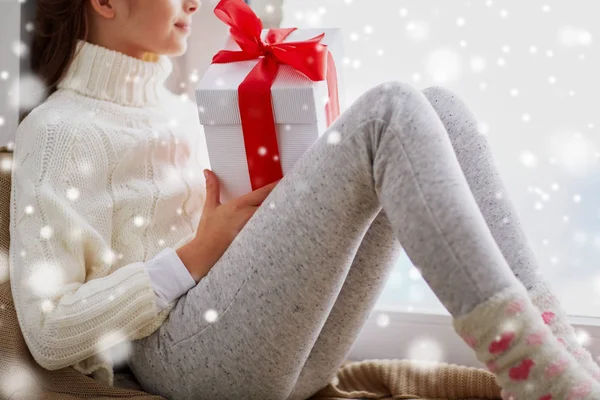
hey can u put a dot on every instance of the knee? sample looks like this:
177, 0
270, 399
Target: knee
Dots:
395, 89
447, 103
439, 93
457, 117
391, 97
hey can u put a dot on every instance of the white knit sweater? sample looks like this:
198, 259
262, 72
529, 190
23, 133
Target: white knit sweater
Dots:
107, 173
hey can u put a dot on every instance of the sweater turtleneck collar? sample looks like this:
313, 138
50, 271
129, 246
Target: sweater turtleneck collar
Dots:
110, 75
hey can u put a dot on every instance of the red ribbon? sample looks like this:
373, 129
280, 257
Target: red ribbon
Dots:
254, 94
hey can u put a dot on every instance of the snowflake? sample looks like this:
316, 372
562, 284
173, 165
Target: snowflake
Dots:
414, 273
417, 30
383, 320
444, 65
109, 257
334, 137
72, 193
528, 159
46, 279
30, 90
19, 48
6, 164
46, 232
211, 315
425, 350
114, 347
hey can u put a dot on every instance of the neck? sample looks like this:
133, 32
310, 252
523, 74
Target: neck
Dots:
121, 47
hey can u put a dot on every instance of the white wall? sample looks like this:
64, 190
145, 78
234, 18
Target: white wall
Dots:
10, 18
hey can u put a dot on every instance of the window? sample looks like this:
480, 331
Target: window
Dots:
528, 71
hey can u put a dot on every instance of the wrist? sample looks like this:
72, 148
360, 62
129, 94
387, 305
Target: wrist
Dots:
195, 259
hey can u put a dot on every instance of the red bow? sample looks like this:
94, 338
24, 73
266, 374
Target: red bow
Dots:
254, 94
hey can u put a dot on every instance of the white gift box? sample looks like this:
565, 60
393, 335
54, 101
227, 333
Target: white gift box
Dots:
298, 110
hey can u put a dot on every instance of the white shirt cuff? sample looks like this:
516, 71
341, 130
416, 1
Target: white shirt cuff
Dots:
170, 278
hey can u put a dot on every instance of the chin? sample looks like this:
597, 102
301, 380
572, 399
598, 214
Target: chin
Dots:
177, 49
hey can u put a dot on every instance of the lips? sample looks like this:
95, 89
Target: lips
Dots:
183, 25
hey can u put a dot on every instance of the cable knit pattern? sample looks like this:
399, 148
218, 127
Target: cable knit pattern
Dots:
107, 172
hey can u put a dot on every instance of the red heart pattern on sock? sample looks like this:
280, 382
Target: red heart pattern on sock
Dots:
470, 341
548, 316
514, 308
501, 344
535, 338
491, 366
556, 368
546, 397
580, 391
521, 371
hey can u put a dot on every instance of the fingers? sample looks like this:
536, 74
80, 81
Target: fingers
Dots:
256, 197
212, 190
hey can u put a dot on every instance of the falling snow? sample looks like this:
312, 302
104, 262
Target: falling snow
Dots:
538, 116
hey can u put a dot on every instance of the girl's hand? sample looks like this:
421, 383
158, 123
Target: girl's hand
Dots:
219, 225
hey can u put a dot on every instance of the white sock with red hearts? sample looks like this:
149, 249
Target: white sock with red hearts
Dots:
510, 337
554, 316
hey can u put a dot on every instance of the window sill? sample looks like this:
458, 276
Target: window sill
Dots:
433, 337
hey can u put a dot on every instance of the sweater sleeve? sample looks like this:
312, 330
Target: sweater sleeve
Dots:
69, 297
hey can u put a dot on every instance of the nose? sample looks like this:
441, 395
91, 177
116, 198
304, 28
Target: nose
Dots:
191, 6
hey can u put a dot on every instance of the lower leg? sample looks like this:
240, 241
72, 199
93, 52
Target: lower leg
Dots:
476, 161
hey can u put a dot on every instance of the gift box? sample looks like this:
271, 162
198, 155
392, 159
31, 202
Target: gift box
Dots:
300, 111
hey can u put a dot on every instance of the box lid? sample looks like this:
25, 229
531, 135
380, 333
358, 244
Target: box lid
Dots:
296, 98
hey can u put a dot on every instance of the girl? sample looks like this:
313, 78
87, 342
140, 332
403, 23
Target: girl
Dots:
113, 230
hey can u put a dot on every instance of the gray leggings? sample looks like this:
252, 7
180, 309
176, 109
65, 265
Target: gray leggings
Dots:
296, 285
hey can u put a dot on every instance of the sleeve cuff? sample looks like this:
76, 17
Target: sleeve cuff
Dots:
170, 278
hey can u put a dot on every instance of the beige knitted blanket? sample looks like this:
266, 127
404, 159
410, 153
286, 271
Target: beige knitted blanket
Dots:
21, 378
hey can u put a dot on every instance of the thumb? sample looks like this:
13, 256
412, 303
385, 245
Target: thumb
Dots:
212, 190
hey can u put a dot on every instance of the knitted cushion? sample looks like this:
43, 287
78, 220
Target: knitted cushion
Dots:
5, 159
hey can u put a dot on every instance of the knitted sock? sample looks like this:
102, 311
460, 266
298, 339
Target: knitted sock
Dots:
554, 316
509, 335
